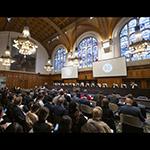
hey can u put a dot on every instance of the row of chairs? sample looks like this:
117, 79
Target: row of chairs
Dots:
88, 109
128, 123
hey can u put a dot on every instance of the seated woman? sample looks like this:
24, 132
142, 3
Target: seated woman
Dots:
90, 127
97, 120
31, 116
42, 125
78, 119
108, 115
65, 125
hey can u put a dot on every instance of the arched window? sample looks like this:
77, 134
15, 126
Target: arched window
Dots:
127, 36
59, 58
87, 51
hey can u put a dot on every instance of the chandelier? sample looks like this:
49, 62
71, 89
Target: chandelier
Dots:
73, 58
6, 59
141, 46
24, 44
48, 67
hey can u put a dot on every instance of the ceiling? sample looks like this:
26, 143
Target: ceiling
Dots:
44, 29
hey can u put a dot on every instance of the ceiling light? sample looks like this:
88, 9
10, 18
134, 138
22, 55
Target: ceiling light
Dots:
48, 67
91, 18
24, 44
6, 59
140, 45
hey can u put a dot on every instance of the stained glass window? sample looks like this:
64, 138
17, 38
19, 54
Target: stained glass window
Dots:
127, 36
88, 51
59, 58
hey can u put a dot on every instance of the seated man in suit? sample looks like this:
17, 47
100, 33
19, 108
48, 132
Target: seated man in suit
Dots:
123, 85
133, 85
113, 98
115, 85
104, 85
129, 109
93, 85
99, 85
19, 115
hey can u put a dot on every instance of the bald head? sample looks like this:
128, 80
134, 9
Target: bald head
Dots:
129, 101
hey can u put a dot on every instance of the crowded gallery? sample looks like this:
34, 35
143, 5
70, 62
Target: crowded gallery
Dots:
66, 75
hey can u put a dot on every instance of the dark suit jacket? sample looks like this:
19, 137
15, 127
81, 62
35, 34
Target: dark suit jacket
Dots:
41, 127
20, 117
18, 114
49, 106
113, 99
131, 110
108, 117
59, 110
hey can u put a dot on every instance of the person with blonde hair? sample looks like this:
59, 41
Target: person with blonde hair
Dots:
31, 116
97, 120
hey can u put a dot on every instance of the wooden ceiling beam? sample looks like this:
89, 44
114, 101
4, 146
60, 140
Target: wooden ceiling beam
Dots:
104, 27
59, 31
100, 27
65, 29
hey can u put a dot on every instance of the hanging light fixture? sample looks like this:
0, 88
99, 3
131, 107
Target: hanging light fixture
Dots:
73, 57
140, 45
6, 59
76, 58
69, 61
48, 67
24, 44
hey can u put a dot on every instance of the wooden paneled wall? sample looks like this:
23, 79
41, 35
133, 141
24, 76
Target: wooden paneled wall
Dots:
86, 75
24, 80
139, 74
70, 81
110, 81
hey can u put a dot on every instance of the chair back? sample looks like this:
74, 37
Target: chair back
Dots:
113, 107
93, 103
86, 109
131, 120
142, 97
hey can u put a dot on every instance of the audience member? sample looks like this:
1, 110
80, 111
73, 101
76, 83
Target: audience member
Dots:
58, 110
97, 119
113, 98
15, 127
108, 116
65, 125
42, 125
78, 119
129, 109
